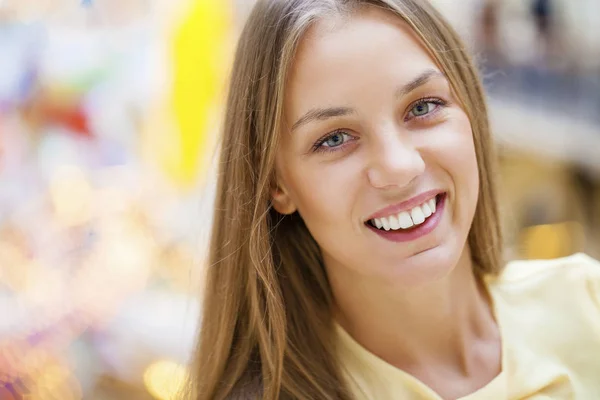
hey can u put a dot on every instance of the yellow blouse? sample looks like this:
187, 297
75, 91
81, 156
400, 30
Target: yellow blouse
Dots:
549, 317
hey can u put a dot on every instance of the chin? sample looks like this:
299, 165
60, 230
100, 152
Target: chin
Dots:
426, 266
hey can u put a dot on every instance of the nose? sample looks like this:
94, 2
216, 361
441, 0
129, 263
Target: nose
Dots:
395, 162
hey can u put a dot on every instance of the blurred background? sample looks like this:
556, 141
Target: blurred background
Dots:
109, 111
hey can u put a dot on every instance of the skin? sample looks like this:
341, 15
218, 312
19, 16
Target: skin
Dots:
385, 148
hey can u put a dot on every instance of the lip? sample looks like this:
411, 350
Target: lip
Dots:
419, 231
406, 205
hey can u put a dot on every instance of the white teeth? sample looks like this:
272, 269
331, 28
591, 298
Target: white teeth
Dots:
417, 215
394, 222
426, 210
432, 205
404, 220
385, 223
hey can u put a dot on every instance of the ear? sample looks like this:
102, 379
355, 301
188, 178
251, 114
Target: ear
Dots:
282, 202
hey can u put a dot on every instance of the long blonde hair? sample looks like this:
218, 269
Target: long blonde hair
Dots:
266, 330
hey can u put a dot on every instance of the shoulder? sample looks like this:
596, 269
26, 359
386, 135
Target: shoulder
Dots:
572, 281
527, 267
575, 267
549, 312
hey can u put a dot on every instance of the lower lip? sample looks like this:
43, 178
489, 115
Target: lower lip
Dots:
414, 233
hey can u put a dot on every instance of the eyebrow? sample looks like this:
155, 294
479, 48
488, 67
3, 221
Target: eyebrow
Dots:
321, 114
419, 81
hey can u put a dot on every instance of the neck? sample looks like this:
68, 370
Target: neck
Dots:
438, 324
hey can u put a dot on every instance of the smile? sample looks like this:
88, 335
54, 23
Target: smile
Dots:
406, 219
410, 224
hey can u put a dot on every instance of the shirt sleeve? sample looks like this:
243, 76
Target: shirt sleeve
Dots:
591, 268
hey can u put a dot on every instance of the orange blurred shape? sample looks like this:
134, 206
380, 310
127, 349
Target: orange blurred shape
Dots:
15, 266
551, 240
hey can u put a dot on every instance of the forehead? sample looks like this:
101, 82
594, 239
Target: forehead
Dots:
340, 54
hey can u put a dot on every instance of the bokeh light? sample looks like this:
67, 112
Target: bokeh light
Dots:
71, 196
165, 379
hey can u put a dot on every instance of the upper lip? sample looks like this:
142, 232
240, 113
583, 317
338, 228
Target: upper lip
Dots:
406, 205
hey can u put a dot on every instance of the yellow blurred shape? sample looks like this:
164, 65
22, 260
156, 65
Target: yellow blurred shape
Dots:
56, 382
200, 47
71, 196
165, 379
551, 240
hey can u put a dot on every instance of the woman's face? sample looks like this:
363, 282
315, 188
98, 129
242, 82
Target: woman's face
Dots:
375, 141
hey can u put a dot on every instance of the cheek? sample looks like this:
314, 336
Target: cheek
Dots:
456, 151
461, 163
324, 194
453, 152
466, 159
321, 191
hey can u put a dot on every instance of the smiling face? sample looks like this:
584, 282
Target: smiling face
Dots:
376, 138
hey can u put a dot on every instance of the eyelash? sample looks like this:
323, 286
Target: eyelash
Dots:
318, 146
434, 100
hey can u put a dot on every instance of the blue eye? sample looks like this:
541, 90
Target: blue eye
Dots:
333, 141
426, 108
423, 108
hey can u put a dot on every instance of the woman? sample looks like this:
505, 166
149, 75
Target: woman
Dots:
356, 249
